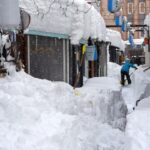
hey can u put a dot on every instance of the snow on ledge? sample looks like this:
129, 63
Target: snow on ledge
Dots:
115, 38
78, 19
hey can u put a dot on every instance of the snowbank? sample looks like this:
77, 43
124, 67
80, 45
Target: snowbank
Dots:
38, 114
115, 38
138, 122
78, 19
142, 84
139, 89
138, 127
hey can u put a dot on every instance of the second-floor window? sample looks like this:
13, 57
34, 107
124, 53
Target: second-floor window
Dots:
142, 8
130, 8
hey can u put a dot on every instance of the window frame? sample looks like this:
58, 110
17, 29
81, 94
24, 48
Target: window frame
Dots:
140, 8
130, 12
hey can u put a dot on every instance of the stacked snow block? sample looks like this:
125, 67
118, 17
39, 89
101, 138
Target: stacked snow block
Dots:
118, 110
104, 102
113, 110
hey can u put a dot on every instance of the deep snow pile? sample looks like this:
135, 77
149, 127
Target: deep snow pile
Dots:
76, 18
138, 123
139, 89
38, 114
138, 127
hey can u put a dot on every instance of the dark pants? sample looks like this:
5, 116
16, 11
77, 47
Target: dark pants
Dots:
123, 75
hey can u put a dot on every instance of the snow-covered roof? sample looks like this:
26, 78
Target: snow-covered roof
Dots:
115, 38
147, 19
77, 18
136, 41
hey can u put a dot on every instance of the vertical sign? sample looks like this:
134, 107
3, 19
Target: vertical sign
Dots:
131, 39
118, 20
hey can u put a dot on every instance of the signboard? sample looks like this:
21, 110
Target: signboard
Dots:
124, 24
91, 53
114, 5
131, 39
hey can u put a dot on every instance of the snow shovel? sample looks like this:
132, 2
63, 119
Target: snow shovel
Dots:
146, 69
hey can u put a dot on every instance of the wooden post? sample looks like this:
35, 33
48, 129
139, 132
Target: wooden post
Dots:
92, 69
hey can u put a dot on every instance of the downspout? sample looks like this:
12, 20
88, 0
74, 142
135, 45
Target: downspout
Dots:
28, 54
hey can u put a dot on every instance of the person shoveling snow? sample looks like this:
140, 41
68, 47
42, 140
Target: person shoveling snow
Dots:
125, 71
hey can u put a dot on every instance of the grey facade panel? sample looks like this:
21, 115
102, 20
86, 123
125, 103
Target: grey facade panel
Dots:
130, 17
141, 18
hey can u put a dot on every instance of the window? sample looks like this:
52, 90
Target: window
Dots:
142, 8
130, 8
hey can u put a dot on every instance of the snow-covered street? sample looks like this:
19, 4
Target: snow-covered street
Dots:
38, 114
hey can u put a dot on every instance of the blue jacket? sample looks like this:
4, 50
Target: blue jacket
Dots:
126, 66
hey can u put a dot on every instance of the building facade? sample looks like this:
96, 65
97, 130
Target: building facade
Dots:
134, 10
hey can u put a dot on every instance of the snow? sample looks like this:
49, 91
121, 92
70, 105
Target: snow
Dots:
39, 114
147, 20
138, 126
137, 131
115, 38
78, 19
114, 70
102, 96
136, 41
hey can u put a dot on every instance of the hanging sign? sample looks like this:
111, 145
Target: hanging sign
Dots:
91, 53
124, 27
114, 5
131, 39
118, 20
124, 24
